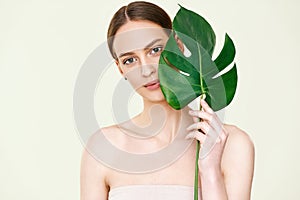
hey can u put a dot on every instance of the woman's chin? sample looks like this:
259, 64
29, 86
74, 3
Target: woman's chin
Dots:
152, 94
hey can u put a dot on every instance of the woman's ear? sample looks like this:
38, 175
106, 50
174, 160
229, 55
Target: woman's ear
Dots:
119, 67
179, 43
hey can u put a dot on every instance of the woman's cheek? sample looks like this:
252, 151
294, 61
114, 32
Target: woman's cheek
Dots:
135, 77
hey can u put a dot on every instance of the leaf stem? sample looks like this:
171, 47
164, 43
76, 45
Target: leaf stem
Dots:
200, 69
196, 172
196, 180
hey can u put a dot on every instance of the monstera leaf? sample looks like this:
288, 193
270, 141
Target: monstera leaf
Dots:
185, 77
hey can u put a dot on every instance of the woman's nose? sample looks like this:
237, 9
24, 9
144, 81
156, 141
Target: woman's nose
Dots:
148, 68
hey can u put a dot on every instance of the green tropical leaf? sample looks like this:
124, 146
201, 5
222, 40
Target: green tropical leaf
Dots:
184, 78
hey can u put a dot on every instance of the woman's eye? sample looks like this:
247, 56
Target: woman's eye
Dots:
156, 50
129, 61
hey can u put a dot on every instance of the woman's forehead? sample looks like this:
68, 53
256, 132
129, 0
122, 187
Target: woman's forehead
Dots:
136, 38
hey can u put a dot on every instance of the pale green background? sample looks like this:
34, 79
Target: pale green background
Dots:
44, 43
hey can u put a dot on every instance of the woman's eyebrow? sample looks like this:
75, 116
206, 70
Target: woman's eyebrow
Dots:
146, 47
152, 43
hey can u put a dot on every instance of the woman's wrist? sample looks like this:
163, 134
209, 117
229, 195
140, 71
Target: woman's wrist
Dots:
212, 184
211, 174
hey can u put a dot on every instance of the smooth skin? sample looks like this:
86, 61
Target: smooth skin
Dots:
225, 173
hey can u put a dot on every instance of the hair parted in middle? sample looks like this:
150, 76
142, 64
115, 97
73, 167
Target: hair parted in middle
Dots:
137, 10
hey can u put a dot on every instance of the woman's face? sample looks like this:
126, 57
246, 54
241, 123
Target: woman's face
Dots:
138, 45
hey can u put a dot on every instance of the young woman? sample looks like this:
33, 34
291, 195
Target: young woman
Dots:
137, 35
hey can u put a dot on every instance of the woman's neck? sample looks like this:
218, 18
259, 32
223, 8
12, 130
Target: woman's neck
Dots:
160, 117
157, 110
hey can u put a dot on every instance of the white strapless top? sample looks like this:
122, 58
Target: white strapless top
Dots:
152, 192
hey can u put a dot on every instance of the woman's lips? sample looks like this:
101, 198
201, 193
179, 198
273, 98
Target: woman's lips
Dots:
152, 85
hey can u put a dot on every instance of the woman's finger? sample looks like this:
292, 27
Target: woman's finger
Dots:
196, 135
206, 107
212, 119
202, 125
195, 119
201, 114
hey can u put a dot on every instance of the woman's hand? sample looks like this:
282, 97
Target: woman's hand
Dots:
233, 180
212, 136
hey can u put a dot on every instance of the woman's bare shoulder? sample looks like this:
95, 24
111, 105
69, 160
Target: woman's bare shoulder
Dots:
95, 139
239, 148
109, 132
237, 135
93, 146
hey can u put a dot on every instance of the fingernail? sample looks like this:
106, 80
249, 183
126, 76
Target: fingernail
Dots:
188, 128
189, 136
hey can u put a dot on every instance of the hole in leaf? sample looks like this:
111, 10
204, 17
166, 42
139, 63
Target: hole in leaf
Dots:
184, 73
187, 53
223, 71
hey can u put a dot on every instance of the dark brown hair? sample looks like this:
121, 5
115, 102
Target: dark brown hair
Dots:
138, 10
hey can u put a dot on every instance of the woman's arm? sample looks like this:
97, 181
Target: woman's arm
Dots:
92, 179
238, 164
233, 180
227, 171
